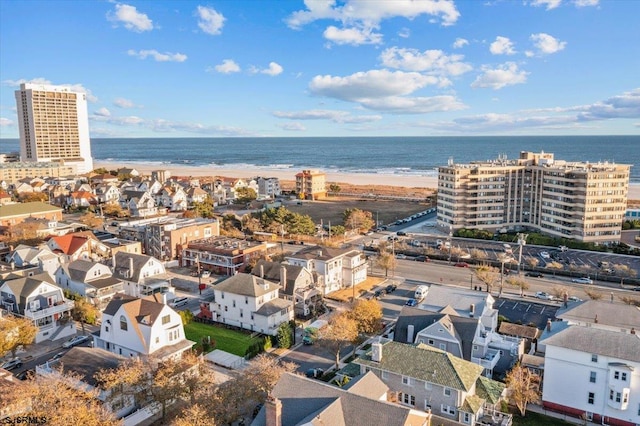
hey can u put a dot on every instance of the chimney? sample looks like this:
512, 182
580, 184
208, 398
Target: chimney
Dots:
114, 260
13, 265
376, 351
633, 330
130, 267
549, 325
273, 411
472, 310
410, 333
283, 276
261, 270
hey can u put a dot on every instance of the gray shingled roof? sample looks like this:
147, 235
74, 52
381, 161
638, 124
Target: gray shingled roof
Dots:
426, 363
319, 252
624, 346
86, 362
274, 306
122, 264
307, 401
246, 285
23, 287
272, 273
613, 314
518, 330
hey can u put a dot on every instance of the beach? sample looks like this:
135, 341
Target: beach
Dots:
363, 179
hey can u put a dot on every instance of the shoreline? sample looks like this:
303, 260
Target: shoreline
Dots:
363, 179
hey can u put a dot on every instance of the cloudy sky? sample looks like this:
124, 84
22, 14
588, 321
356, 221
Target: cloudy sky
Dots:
331, 68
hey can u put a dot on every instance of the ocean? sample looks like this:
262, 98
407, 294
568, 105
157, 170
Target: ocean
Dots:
384, 155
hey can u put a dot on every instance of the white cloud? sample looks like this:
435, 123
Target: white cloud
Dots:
460, 42
415, 105
626, 105
123, 103
507, 74
210, 21
5, 122
430, 61
370, 84
585, 3
502, 46
331, 115
130, 17
103, 112
404, 32
227, 66
292, 127
547, 44
549, 4
353, 36
273, 70
17, 83
159, 57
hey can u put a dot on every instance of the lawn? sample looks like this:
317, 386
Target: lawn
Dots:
233, 341
535, 419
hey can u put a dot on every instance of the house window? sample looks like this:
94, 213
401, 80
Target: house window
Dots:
406, 380
592, 377
252, 316
157, 340
166, 319
618, 396
123, 323
407, 399
443, 346
594, 358
106, 328
623, 377
221, 295
246, 300
616, 375
234, 303
447, 409
226, 308
241, 314
466, 418
431, 342
427, 405
384, 375
428, 386
591, 398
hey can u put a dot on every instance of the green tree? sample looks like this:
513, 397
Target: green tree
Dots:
245, 195
84, 312
284, 335
334, 187
204, 209
186, 316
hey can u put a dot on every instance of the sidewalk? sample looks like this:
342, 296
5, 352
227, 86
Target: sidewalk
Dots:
541, 410
51, 347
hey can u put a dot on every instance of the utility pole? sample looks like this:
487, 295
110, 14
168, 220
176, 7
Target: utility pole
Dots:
522, 241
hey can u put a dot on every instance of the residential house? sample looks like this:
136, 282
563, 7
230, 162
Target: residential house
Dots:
268, 187
425, 378
5, 198
602, 314
196, 194
250, 302
297, 284
142, 275
73, 246
24, 256
81, 199
138, 203
12, 406
39, 299
140, 327
595, 373
14, 214
91, 280
296, 400
172, 197
107, 193
222, 255
125, 173
443, 324
22, 188
105, 178
84, 364
335, 268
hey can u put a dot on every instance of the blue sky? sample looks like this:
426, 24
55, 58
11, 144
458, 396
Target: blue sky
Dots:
331, 68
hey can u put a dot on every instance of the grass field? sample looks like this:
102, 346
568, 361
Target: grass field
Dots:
535, 419
232, 341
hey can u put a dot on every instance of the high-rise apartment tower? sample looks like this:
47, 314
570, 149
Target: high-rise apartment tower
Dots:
54, 125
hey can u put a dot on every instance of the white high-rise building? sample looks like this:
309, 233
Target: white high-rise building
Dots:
54, 125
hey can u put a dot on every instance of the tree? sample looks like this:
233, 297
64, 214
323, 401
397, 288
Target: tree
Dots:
245, 195
194, 415
519, 283
186, 316
532, 262
523, 387
114, 210
487, 275
356, 219
478, 254
91, 220
84, 312
15, 332
593, 295
284, 335
368, 316
204, 208
334, 187
386, 261
558, 292
338, 334
555, 266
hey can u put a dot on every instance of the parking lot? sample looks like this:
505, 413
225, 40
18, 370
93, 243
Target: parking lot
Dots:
527, 312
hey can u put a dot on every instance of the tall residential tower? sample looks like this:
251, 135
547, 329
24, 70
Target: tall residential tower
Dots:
54, 125
579, 200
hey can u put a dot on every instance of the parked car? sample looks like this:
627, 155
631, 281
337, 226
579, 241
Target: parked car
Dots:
314, 373
533, 274
75, 341
378, 294
465, 256
574, 299
582, 280
462, 265
411, 302
544, 295
26, 374
179, 301
205, 274
12, 363
391, 288
401, 234
308, 340
57, 356
401, 256
545, 255
421, 258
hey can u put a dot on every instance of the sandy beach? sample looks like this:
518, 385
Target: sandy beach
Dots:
409, 181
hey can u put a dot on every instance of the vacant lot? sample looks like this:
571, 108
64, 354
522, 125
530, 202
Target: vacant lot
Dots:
382, 210
235, 342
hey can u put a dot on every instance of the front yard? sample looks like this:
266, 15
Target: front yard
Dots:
232, 341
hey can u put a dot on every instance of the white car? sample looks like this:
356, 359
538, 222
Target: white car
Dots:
544, 295
583, 280
545, 255
574, 299
75, 341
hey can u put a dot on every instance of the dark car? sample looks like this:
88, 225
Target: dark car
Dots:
462, 265
411, 302
401, 234
314, 373
533, 274
421, 258
378, 294
391, 288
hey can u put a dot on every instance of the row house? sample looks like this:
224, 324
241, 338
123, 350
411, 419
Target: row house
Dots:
134, 327
251, 303
335, 268
40, 300
222, 255
91, 280
297, 284
425, 378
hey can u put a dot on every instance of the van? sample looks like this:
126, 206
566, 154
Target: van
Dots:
421, 292
179, 301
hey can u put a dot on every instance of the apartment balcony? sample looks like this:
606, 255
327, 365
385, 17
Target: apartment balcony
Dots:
59, 308
489, 360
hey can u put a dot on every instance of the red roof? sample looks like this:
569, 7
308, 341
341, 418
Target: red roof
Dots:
70, 243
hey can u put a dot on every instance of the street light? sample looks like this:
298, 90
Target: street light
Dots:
449, 242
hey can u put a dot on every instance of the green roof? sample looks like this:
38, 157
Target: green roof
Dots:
22, 209
472, 404
426, 363
489, 389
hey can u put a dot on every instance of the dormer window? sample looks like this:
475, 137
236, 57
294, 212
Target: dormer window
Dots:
123, 323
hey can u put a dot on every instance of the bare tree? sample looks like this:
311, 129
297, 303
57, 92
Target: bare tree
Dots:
593, 295
487, 275
518, 282
523, 387
558, 292
532, 262
478, 254
15, 332
338, 334
386, 261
